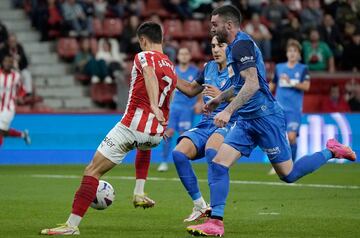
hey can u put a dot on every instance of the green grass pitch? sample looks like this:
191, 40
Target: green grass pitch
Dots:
30, 201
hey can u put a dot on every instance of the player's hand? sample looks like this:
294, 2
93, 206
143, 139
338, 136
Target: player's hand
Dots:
222, 118
168, 134
159, 115
198, 107
210, 91
211, 105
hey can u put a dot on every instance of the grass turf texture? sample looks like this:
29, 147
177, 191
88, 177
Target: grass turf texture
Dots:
30, 203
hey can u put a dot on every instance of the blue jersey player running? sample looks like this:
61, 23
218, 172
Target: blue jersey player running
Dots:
182, 106
261, 122
205, 138
291, 79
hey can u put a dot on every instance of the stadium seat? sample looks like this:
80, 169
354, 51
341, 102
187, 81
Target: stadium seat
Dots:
97, 27
103, 92
83, 78
195, 49
67, 48
155, 7
194, 29
173, 28
112, 27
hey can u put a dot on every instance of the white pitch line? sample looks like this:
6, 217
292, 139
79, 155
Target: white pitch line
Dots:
333, 186
269, 213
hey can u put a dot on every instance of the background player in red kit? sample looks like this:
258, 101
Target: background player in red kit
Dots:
10, 84
153, 80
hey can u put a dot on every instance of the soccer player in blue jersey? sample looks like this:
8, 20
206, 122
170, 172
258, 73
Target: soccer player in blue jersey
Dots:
261, 122
182, 106
205, 138
291, 79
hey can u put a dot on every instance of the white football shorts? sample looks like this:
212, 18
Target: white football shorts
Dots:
6, 118
121, 140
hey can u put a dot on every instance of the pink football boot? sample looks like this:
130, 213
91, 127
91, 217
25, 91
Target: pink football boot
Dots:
340, 151
211, 227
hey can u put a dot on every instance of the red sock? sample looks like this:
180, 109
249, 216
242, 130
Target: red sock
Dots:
142, 163
1, 140
85, 195
14, 133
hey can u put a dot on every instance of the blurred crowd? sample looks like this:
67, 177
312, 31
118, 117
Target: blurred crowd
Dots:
328, 29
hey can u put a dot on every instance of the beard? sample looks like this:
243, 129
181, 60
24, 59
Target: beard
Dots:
221, 34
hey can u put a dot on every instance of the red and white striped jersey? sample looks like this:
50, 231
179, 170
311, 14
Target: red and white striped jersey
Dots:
138, 115
10, 83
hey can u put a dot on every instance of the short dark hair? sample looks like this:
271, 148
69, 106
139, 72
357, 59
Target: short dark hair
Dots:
228, 12
220, 38
151, 30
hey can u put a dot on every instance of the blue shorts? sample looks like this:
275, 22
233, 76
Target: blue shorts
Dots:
293, 121
180, 120
268, 132
200, 134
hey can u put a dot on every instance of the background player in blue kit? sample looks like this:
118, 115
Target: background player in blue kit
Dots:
205, 138
261, 122
291, 79
182, 106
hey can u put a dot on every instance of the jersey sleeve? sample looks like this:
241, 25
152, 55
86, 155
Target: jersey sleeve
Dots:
276, 75
200, 78
144, 59
243, 53
305, 74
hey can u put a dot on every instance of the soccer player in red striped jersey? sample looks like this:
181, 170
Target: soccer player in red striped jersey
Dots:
10, 84
153, 80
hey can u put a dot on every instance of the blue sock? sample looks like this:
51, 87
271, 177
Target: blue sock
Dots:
186, 174
307, 164
219, 188
293, 151
209, 155
166, 149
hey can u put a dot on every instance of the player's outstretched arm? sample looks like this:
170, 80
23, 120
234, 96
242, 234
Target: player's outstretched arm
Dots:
152, 89
303, 86
249, 88
226, 95
189, 89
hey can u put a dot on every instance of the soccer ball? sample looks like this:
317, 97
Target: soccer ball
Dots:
105, 196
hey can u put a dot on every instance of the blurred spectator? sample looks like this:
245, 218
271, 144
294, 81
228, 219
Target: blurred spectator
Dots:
181, 7
88, 8
17, 52
330, 34
351, 56
349, 31
201, 6
260, 34
117, 7
76, 18
317, 54
354, 102
108, 51
100, 7
275, 13
345, 12
128, 41
334, 102
3, 35
244, 7
134, 7
85, 63
311, 15
290, 31
293, 5
52, 23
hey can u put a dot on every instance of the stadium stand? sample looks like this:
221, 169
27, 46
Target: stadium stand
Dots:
61, 87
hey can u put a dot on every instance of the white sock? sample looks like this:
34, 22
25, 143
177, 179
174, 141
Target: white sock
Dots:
74, 220
139, 186
200, 202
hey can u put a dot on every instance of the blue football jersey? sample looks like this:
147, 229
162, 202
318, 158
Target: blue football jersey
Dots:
291, 99
180, 100
220, 79
242, 54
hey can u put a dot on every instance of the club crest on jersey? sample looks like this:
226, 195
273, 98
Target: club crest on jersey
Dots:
230, 71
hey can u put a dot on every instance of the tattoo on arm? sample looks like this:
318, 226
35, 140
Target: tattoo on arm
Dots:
249, 88
227, 94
